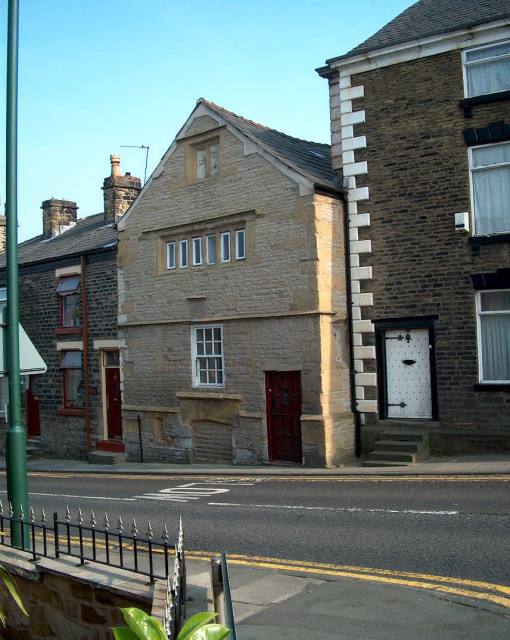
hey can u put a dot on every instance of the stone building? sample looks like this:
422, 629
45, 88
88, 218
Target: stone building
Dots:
232, 300
68, 307
420, 116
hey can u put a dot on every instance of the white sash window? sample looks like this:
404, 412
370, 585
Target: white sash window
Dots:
490, 184
494, 335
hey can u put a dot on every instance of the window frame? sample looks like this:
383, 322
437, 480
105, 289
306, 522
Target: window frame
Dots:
208, 257
243, 233
170, 267
72, 294
222, 235
205, 148
66, 405
472, 187
194, 261
466, 64
479, 315
181, 244
195, 375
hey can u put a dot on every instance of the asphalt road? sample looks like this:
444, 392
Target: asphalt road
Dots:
449, 527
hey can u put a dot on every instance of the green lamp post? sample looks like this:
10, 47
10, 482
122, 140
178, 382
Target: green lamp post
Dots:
16, 455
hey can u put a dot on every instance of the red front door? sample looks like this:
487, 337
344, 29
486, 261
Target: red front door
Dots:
33, 420
113, 404
283, 397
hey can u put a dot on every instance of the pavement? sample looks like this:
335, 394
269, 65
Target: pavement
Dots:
462, 465
274, 605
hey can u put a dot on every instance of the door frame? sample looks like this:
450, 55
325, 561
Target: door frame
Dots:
381, 326
270, 432
104, 397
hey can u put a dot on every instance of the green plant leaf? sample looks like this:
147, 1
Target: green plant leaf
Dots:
7, 579
142, 625
194, 623
123, 633
210, 632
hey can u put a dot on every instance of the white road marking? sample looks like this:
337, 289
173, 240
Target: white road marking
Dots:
184, 493
340, 509
67, 495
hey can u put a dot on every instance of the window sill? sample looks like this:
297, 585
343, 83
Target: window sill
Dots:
65, 331
208, 394
492, 386
67, 411
494, 239
467, 103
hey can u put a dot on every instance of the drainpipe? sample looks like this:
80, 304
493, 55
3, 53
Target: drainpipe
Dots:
85, 338
352, 373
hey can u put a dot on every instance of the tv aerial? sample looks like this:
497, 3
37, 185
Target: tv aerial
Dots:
139, 146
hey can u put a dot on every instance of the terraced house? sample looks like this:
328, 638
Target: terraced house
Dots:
420, 116
68, 307
232, 300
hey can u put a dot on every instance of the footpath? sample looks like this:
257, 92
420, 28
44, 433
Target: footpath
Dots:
277, 602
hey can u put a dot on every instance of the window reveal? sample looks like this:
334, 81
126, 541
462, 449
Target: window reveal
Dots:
490, 180
225, 246
171, 262
71, 366
70, 303
183, 253
240, 244
494, 335
197, 251
211, 249
207, 349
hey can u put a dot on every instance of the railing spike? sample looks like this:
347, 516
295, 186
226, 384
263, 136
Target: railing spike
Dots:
165, 536
79, 517
1, 507
67, 515
43, 516
120, 526
150, 533
134, 528
21, 514
92, 518
106, 522
11, 510
32, 515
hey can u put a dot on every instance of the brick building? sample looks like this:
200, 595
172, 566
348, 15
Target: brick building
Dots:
420, 116
68, 307
232, 300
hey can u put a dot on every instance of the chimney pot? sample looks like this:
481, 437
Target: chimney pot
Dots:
115, 162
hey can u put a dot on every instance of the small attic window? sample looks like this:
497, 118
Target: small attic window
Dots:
66, 286
206, 160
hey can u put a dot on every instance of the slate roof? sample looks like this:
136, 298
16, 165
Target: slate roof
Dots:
311, 159
432, 17
88, 234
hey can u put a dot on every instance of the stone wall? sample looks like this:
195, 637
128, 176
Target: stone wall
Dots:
282, 308
411, 164
64, 435
66, 601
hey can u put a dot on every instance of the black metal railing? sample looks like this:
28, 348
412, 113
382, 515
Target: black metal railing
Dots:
175, 605
106, 545
222, 596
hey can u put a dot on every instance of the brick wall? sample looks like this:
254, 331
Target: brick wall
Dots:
63, 435
417, 177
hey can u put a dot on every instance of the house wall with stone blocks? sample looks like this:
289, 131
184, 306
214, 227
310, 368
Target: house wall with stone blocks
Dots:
397, 134
282, 308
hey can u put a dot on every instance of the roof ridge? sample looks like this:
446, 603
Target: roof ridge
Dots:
213, 105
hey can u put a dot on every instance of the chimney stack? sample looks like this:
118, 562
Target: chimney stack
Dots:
119, 191
56, 215
2, 234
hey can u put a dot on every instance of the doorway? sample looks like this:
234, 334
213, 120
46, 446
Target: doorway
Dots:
283, 404
113, 407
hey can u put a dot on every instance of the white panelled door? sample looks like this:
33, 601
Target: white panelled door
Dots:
409, 390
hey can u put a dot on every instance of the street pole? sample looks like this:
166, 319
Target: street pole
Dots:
15, 450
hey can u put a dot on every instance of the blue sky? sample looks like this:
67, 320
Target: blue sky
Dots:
96, 75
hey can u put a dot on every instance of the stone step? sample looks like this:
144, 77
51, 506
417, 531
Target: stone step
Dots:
398, 445
409, 436
392, 456
106, 457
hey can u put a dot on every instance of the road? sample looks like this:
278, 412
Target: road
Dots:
445, 526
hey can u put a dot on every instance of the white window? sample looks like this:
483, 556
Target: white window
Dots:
183, 253
211, 249
487, 69
207, 161
170, 255
494, 335
213, 159
197, 251
240, 244
207, 356
225, 246
490, 185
